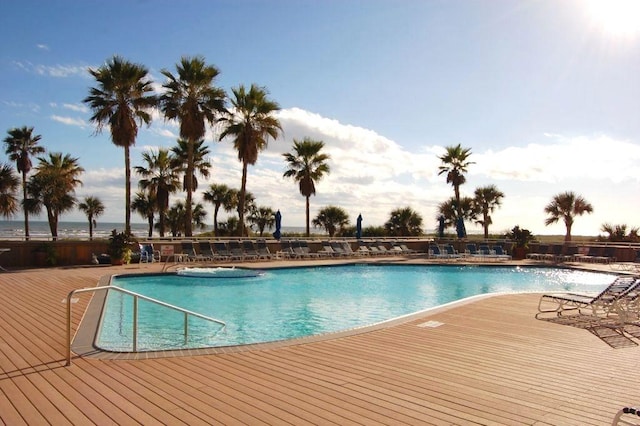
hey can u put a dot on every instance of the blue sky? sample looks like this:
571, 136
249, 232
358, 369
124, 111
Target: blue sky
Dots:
546, 93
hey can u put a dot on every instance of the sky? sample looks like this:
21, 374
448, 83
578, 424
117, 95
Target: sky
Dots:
545, 93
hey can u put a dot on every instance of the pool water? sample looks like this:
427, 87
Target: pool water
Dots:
297, 302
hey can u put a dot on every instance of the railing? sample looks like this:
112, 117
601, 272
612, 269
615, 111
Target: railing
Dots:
136, 296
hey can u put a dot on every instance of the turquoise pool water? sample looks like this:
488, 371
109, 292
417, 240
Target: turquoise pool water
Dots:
296, 302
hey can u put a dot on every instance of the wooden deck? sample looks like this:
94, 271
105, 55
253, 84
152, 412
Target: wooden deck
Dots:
490, 362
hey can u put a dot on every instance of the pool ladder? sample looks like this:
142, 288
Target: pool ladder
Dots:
135, 296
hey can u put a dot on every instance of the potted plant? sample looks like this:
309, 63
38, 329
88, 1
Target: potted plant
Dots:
118, 248
521, 239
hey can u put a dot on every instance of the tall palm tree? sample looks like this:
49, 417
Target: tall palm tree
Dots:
566, 206
9, 184
20, 146
331, 218
220, 195
53, 186
404, 222
121, 100
193, 100
454, 164
307, 166
160, 179
92, 207
250, 124
200, 163
486, 200
146, 205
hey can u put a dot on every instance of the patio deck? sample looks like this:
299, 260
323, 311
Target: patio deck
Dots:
490, 362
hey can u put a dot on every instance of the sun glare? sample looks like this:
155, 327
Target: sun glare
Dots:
616, 17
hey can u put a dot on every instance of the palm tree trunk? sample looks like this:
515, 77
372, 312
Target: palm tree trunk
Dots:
188, 231
127, 191
53, 224
150, 221
308, 231
243, 188
24, 207
215, 219
161, 217
90, 228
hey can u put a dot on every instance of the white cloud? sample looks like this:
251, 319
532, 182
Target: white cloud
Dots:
42, 46
70, 121
54, 70
372, 175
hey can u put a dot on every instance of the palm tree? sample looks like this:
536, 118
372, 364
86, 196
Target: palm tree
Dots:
566, 206
331, 218
9, 184
404, 222
307, 166
454, 164
200, 162
220, 195
20, 146
176, 217
192, 99
120, 101
146, 205
251, 123
159, 179
486, 200
453, 210
92, 207
618, 233
262, 217
53, 186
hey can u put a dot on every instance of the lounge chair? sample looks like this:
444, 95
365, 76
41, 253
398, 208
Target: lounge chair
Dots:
540, 252
349, 251
301, 247
189, 252
206, 251
238, 252
222, 250
148, 254
603, 302
263, 250
404, 249
436, 253
501, 253
451, 252
627, 416
250, 249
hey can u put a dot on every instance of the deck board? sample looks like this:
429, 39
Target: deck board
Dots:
490, 362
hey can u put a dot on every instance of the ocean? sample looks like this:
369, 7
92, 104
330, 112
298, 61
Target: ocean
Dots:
39, 230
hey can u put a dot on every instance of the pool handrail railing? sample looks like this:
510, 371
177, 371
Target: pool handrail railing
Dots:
135, 296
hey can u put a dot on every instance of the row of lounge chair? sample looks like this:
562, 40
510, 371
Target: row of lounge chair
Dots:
483, 252
561, 253
248, 250
616, 308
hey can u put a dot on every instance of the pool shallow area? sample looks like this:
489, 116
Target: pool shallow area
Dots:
296, 302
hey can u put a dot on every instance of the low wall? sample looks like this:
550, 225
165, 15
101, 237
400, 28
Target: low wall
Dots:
29, 254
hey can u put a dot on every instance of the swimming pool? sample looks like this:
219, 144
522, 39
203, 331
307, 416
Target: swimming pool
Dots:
295, 302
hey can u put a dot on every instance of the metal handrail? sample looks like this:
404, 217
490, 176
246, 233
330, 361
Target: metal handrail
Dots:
136, 296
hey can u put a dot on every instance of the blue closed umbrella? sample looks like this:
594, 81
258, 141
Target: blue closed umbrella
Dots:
460, 229
441, 227
276, 234
359, 227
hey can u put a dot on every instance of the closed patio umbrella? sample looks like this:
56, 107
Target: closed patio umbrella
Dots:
276, 234
359, 227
